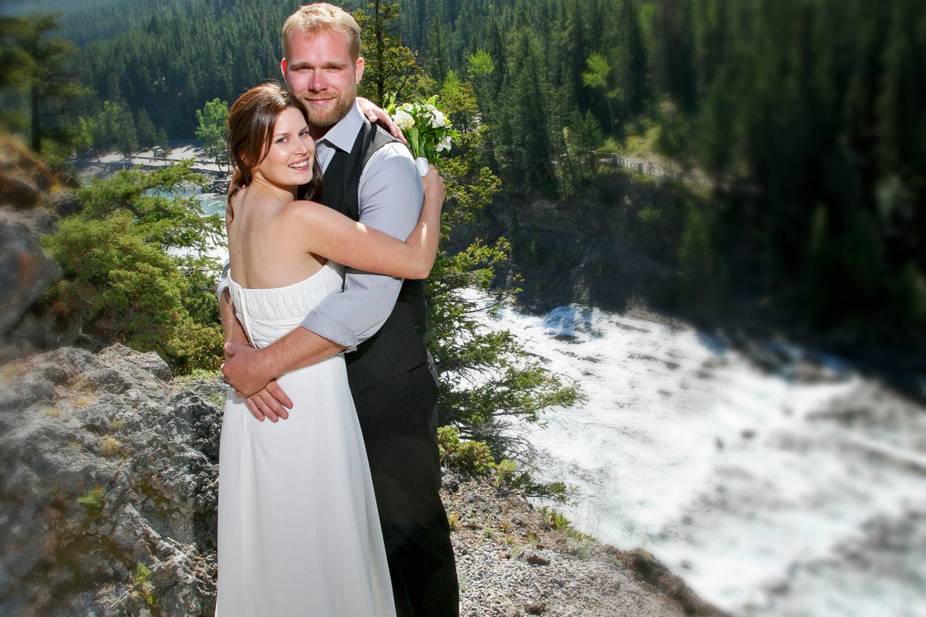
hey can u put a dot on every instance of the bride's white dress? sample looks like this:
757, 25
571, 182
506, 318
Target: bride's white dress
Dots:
298, 531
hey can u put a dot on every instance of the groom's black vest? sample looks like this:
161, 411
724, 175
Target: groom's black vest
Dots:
399, 346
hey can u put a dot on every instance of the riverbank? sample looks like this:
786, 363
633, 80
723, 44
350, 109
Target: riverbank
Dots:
515, 559
105, 164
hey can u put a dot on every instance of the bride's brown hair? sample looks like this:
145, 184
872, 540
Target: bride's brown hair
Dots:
250, 128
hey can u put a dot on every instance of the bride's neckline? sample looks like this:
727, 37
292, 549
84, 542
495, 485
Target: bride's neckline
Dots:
284, 287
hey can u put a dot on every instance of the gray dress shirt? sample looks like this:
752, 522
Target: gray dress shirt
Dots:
390, 197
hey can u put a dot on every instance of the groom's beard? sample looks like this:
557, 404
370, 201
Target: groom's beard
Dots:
327, 117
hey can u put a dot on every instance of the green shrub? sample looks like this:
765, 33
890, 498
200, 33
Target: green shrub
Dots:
143, 585
134, 268
505, 472
93, 501
649, 215
472, 457
554, 519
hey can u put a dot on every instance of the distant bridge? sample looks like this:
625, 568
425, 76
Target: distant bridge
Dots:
641, 166
650, 168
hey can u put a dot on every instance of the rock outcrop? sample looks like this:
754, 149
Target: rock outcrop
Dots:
108, 508
108, 498
31, 200
24, 180
594, 250
25, 270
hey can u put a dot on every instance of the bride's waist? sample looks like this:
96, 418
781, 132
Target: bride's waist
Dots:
264, 332
329, 371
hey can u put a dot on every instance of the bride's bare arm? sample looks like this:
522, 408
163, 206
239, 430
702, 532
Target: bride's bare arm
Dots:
342, 240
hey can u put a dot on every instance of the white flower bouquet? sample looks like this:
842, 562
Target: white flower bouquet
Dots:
427, 129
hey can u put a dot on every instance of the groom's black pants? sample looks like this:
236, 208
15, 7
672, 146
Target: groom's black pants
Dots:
399, 423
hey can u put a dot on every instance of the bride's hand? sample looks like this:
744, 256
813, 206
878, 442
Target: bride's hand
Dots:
434, 191
378, 115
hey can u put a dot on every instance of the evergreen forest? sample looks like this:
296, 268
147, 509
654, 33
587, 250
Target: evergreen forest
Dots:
795, 129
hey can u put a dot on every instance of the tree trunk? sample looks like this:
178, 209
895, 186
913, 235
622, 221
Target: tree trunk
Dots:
379, 28
35, 128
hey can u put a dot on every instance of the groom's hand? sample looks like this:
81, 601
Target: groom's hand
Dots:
243, 369
246, 372
270, 403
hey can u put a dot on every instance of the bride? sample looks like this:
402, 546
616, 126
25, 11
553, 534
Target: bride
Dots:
298, 530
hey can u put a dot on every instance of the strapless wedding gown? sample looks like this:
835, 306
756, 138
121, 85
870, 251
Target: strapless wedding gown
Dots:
298, 530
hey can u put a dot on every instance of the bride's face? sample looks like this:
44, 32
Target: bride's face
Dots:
290, 153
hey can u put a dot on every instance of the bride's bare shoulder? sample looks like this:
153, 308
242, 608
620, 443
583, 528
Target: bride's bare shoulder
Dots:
233, 205
236, 197
304, 209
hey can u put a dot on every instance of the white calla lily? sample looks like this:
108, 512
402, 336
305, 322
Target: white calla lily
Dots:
438, 119
403, 119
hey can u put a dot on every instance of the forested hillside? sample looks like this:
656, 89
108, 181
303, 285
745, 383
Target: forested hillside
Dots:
801, 119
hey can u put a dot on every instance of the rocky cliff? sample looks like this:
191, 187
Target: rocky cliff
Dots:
109, 492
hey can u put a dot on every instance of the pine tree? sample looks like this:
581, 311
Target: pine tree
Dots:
391, 68
628, 55
41, 67
147, 133
523, 142
599, 75
213, 130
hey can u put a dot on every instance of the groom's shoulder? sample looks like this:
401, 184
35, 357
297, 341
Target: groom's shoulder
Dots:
391, 176
381, 136
385, 145
390, 157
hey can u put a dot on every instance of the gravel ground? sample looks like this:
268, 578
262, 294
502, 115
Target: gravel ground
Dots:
513, 560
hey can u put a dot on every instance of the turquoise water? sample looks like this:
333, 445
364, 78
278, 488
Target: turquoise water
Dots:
212, 203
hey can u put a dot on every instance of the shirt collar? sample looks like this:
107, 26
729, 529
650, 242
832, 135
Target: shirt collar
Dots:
343, 134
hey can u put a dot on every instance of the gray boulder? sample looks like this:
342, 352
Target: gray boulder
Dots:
108, 498
25, 270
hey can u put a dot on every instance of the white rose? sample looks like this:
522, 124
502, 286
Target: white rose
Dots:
437, 119
403, 119
444, 144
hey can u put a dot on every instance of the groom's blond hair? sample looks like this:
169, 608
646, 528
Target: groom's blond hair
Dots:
320, 16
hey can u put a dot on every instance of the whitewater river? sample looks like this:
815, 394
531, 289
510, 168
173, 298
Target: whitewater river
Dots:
797, 491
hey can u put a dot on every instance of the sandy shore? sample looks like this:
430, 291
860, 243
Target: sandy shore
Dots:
94, 166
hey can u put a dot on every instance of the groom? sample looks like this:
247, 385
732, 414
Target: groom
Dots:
379, 320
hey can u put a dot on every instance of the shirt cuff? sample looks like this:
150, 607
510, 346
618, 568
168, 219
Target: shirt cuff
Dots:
330, 329
222, 285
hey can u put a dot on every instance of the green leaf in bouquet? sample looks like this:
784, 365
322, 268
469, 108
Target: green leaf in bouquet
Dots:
413, 141
389, 103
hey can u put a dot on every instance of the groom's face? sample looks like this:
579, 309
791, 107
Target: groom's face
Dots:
320, 69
